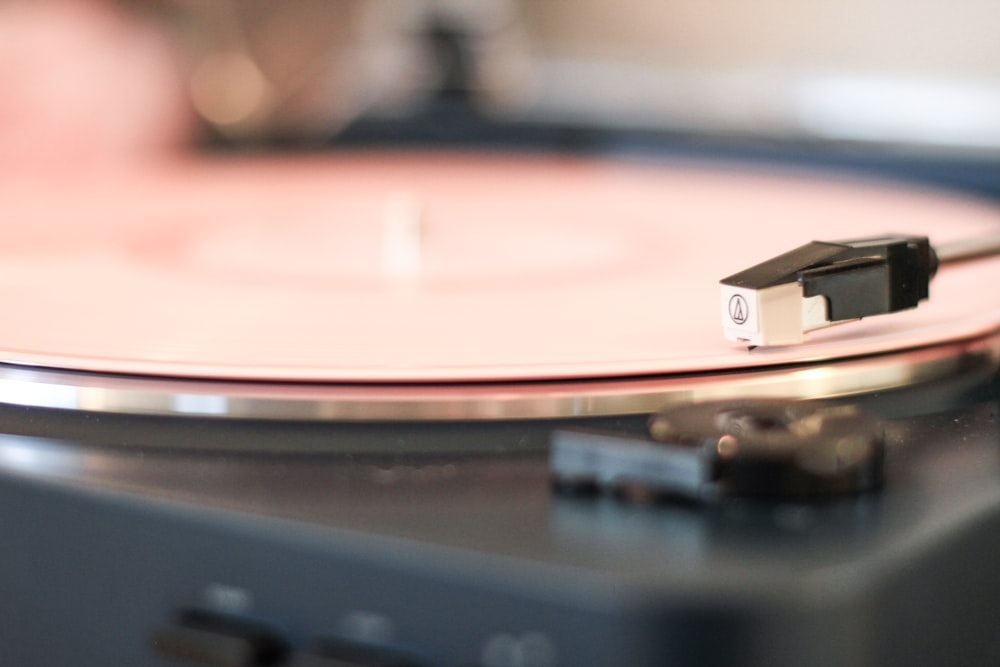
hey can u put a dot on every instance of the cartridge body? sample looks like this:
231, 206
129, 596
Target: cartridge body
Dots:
824, 283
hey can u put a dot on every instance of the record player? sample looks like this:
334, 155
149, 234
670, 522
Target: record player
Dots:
441, 397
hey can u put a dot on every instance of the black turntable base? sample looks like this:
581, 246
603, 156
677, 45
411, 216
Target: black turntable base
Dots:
155, 557
330, 435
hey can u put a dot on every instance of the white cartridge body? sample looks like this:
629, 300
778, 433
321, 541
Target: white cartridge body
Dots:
778, 315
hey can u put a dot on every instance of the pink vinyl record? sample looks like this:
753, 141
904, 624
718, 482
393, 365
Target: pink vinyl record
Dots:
416, 267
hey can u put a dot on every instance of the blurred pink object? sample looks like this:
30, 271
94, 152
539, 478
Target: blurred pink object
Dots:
84, 83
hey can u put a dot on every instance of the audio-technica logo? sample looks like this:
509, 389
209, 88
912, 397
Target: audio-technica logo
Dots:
738, 309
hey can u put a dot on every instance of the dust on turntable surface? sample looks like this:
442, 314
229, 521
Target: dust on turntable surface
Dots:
437, 286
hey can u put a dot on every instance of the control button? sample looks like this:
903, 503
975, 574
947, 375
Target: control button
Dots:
202, 638
333, 653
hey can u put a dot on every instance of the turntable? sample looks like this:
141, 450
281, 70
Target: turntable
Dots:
304, 407
449, 408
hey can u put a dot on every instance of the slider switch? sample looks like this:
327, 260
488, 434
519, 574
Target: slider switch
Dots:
203, 638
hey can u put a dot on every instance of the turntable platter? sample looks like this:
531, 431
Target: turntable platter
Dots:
379, 268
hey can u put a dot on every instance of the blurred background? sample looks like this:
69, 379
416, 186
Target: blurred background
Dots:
886, 85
